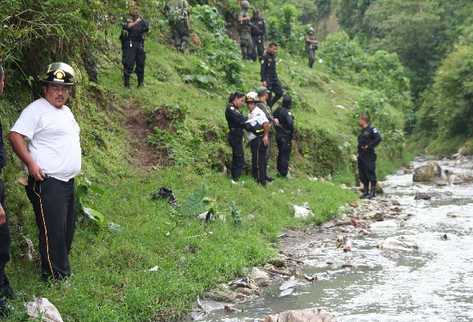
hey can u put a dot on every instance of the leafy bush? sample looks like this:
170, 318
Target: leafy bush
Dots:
447, 107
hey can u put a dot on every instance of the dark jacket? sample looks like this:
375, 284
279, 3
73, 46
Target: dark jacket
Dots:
258, 27
136, 33
286, 123
235, 120
368, 137
269, 73
3, 159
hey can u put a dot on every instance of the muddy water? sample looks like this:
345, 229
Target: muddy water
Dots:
431, 283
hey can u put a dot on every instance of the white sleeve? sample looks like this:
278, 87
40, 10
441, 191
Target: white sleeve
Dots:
261, 117
27, 123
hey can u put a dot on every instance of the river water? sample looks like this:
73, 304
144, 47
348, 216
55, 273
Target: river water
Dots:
433, 282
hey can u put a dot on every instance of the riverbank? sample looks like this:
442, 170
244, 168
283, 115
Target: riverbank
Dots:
403, 257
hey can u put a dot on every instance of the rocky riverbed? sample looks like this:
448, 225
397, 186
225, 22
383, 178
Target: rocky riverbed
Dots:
406, 256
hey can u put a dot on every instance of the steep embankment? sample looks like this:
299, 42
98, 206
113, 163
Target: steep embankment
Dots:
172, 133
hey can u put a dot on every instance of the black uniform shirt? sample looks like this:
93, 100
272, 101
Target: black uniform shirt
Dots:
269, 73
236, 121
137, 32
3, 159
368, 137
286, 122
258, 27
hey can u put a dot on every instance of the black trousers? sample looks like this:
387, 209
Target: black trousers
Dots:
276, 92
311, 55
258, 42
134, 55
5, 242
53, 205
238, 155
259, 160
180, 34
367, 168
284, 154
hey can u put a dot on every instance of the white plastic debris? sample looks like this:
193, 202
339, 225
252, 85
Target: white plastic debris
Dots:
154, 269
41, 309
303, 212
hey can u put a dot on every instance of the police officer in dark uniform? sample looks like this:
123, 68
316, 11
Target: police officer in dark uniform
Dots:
179, 21
258, 33
236, 123
284, 134
133, 46
368, 140
269, 74
5, 289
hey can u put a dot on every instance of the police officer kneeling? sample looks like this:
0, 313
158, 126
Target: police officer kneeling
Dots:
368, 140
53, 159
258, 136
284, 134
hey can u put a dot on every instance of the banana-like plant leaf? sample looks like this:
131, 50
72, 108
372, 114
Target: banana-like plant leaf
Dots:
95, 216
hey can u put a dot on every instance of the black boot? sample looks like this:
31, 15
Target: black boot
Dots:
372, 190
366, 192
126, 81
5, 290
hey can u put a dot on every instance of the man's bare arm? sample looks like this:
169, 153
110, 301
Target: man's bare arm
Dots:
19, 146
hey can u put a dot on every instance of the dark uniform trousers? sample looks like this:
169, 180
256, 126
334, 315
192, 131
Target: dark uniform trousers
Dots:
259, 160
134, 54
258, 42
311, 55
180, 34
4, 244
53, 204
367, 167
276, 92
284, 148
238, 154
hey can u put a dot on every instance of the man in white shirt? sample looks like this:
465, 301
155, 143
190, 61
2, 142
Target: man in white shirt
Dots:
258, 138
46, 138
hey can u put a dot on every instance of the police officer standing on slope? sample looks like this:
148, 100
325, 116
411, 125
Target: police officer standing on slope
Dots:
133, 46
368, 140
46, 137
258, 33
284, 134
311, 46
236, 123
178, 17
258, 138
269, 74
244, 30
6, 291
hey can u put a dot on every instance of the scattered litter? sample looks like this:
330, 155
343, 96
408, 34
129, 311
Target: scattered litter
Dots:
401, 243
29, 252
444, 237
165, 193
115, 228
303, 212
154, 269
41, 309
310, 278
341, 107
308, 315
207, 216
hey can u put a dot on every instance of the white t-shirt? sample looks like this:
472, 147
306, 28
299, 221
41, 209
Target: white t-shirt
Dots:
54, 138
257, 116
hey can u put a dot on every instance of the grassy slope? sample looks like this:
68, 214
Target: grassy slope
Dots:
111, 281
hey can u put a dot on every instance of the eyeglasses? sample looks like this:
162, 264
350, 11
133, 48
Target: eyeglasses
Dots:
59, 89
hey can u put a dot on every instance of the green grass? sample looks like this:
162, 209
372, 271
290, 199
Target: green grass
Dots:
111, 281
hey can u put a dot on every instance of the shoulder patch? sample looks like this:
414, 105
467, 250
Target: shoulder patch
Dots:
375, 130
290, 114
232, 108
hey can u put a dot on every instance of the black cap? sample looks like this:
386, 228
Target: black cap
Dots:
287, 101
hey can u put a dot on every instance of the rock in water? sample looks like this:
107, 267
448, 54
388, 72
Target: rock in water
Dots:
429, 172
309, 315
401, 243
260, 277
40, 309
